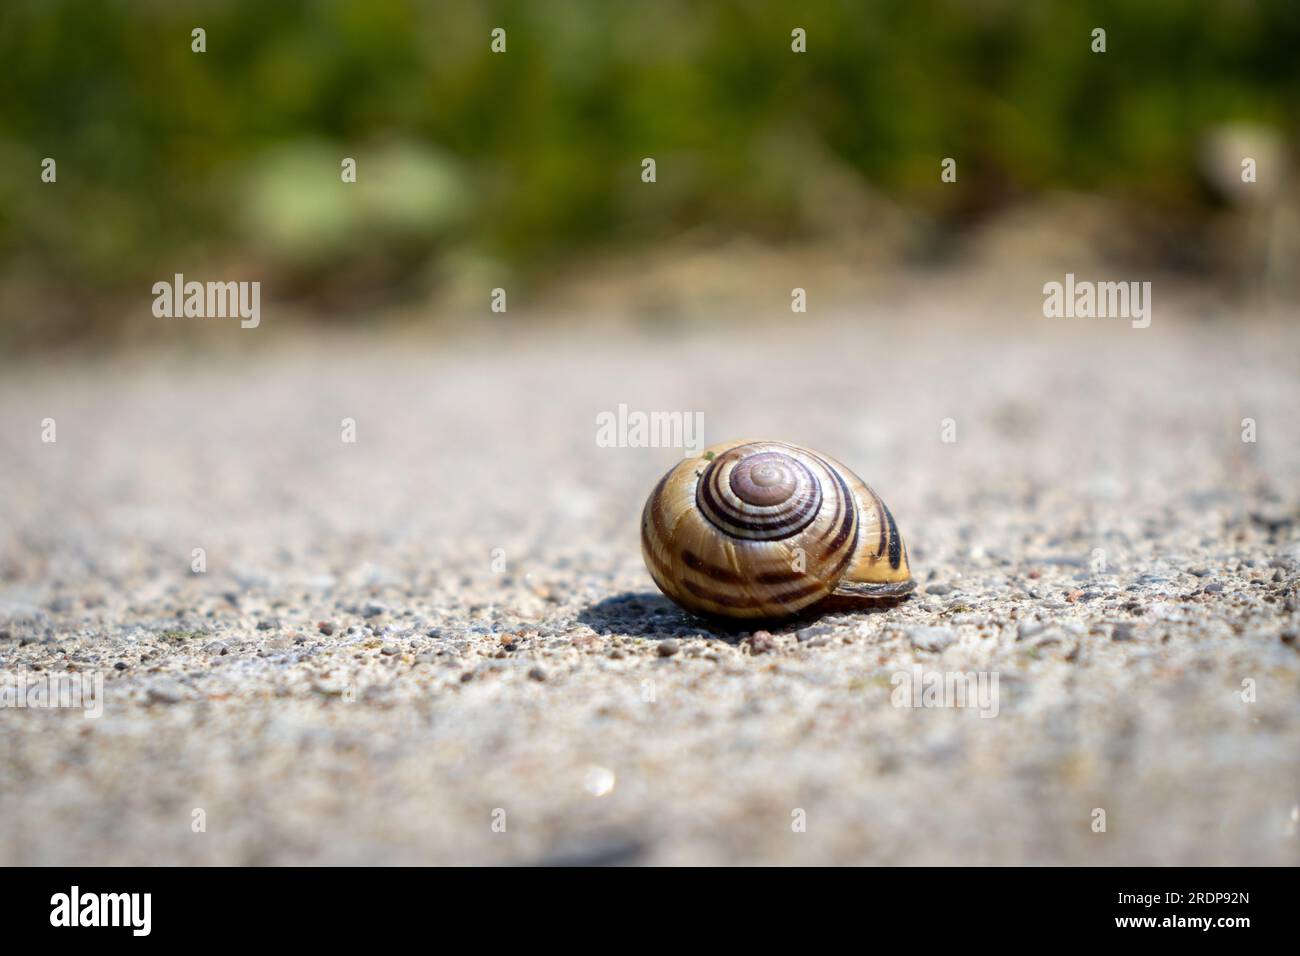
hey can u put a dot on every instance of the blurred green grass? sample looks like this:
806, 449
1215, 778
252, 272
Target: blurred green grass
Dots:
169, 160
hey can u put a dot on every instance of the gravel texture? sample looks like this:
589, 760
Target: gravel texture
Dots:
356, 677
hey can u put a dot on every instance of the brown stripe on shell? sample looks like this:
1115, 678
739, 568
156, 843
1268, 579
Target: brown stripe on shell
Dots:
780, 577
652, 545
833, 575
881, 511
895, 543
744, 600
656, 509
711, 571
849, 524
664, 569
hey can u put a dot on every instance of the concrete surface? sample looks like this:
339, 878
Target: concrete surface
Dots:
354, 679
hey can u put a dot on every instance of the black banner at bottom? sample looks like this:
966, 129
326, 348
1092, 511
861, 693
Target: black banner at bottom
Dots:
335, 906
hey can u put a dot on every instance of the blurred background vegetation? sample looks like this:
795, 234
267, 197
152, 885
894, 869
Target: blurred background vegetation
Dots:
477, 169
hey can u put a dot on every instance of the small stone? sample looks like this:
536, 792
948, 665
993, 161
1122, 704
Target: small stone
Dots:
761, 642
121, 666
808, 633
373, 609
931, 638
1272, 521
1122, 632
1215, 588
215, 647
668, 648
265, 625
536, 673
389, 650
325, 627
166, 692
1029, 629
938, 588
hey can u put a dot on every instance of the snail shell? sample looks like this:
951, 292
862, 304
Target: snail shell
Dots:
766, 529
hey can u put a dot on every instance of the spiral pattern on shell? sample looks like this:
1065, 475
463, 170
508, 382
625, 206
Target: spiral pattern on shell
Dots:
765, 496
766, 529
